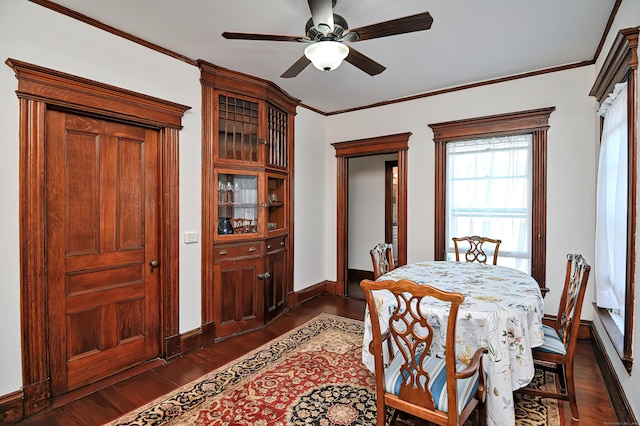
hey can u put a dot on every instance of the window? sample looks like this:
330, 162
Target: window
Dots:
522, 138
621, 66
489, 194
611, 206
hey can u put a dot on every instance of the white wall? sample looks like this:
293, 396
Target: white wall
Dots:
34, 34
570, 163
366, 208
311, 225
628, 16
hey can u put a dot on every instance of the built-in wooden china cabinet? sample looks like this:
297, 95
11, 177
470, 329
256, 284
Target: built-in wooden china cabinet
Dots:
247, 208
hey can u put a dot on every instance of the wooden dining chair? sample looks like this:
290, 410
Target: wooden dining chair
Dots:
411, 380
557, 352
476, 252
382, 259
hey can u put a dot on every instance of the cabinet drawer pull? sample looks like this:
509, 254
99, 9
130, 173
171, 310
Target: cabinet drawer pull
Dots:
223, 252
264, 276
282, 243
262, 141
268, 246
252, 249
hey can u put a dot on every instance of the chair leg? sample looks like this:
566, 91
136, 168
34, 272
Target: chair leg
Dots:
382, 413
558, 370
482, 414
394, 417
571, 391
562, 377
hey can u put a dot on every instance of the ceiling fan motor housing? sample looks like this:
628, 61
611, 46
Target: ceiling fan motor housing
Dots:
339, 27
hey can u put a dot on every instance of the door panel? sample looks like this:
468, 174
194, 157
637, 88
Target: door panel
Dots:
237, 288
276, 285
102, 231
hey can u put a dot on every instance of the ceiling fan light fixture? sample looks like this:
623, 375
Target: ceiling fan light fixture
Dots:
326, 55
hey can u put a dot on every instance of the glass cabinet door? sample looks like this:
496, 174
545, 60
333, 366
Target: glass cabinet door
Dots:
276, 196
237, 129
278, 131
237, 204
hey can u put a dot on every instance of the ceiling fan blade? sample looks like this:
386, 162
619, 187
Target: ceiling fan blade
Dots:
408, 24
363, 62
296, 68
322, 14
267, 37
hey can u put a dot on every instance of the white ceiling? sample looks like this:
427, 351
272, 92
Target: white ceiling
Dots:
470, 40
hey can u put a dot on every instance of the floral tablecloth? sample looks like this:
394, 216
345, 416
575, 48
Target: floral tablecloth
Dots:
502, 312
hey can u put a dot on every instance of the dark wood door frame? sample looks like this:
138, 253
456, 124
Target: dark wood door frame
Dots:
388, 201
41, 89
390, 144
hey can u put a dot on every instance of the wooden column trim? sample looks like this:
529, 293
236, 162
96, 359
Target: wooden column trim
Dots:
539, 204
35, 367
632, 211
439, 201
403, 190
342, 224
290, 250
209, 197
169, 242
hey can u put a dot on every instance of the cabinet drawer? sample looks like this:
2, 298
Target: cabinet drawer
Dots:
223, 252
276, 243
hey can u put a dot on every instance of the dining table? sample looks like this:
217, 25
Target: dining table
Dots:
502, 312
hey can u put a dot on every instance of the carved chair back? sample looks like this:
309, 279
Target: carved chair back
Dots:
476, 252
411, 336
382, 259
557, 352
570, 308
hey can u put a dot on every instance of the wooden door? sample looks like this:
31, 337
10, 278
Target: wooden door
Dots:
102, 235
276, 277
238, 293
275, 284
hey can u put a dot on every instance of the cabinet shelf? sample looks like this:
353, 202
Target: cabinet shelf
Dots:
242, 205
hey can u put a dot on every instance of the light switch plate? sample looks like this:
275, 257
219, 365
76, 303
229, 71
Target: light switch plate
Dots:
190, 237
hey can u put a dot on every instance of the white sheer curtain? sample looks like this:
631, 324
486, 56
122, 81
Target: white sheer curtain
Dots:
488, 193
611, 202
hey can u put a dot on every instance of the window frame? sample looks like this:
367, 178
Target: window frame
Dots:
534, 122
621, 64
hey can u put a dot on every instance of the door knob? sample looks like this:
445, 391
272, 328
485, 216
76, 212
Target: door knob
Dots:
153, 264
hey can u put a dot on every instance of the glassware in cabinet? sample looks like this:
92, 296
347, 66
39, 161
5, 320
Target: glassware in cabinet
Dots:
276, 196
237, 204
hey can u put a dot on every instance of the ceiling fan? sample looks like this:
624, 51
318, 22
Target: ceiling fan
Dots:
326, 33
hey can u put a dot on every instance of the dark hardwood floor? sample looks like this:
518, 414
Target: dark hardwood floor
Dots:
118, 396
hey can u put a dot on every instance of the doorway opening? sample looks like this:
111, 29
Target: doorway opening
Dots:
371, 205
390, 144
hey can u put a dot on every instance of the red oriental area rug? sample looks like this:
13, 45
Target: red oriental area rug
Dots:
312, 375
